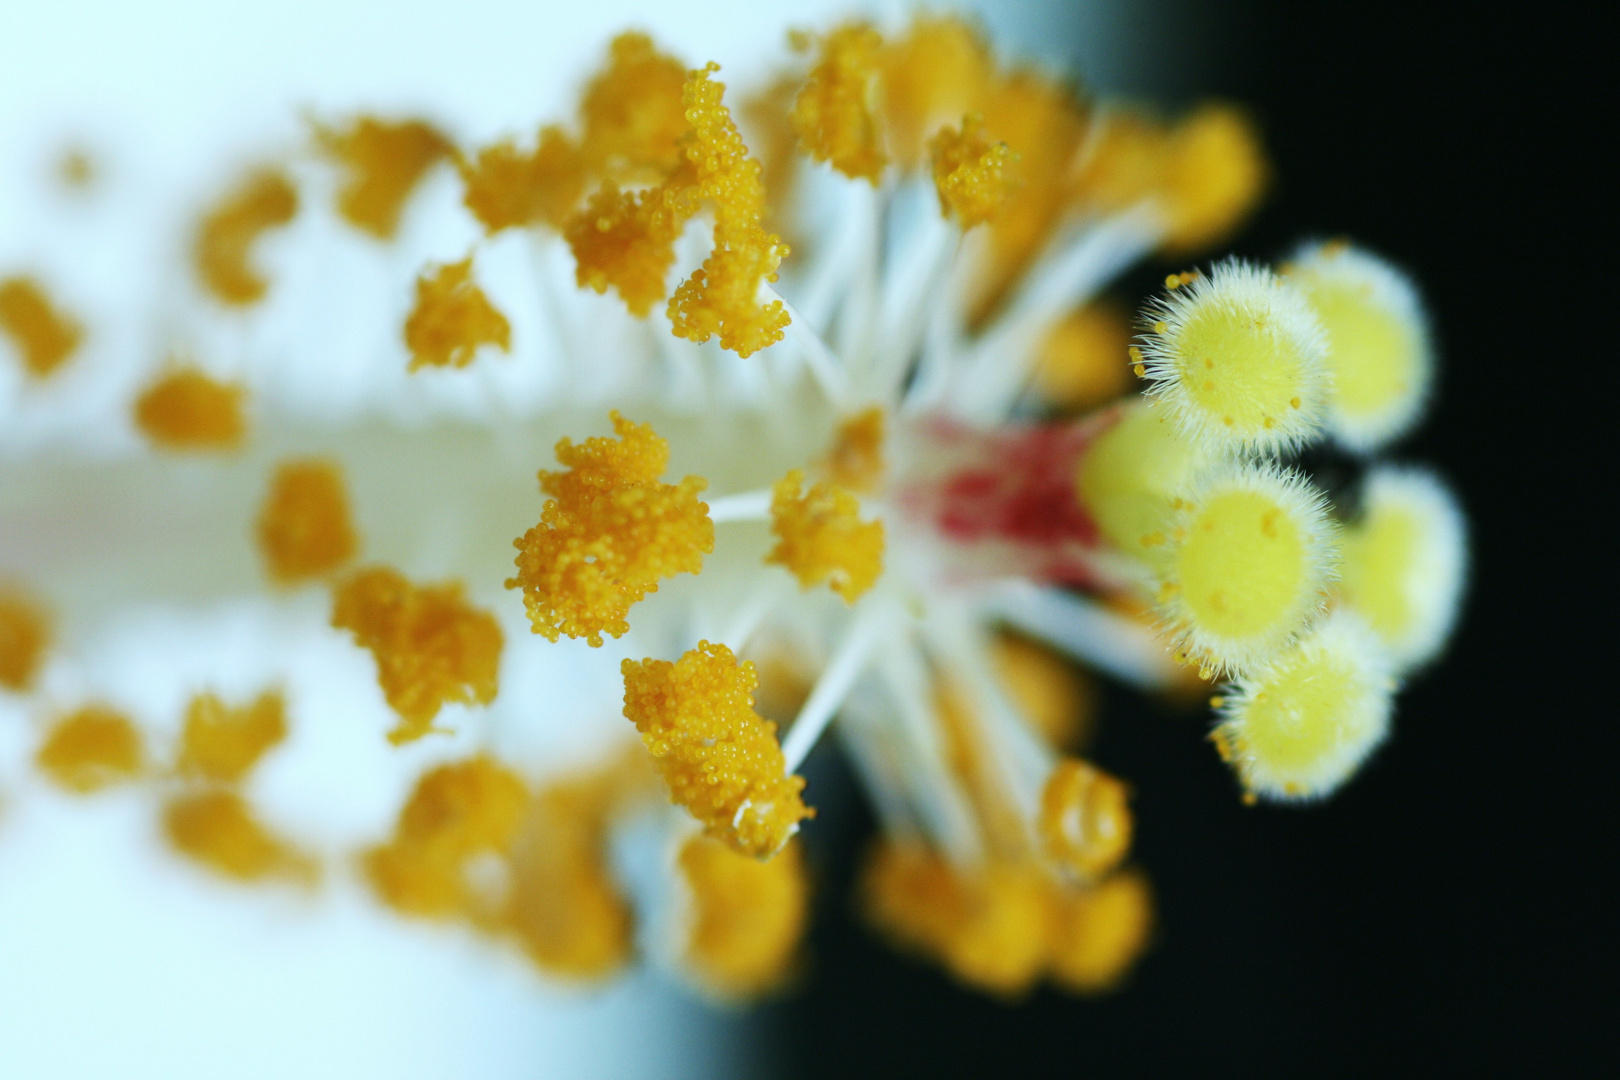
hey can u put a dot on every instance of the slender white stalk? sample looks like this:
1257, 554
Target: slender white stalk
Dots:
1087, 631
827, 368
743, 506
846, 665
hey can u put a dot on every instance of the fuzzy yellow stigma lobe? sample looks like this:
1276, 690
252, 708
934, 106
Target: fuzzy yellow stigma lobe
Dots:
452, 319
304, 527
719, 758
25, 635
1082, 362
1085, 819
970, 172
609, 532
1131, 474
1300, 725
505, 188
820, 537
43, 335
1099, 933
221, 743
187, 410
1247, 561
218, 829
1214, 174
431, 646
833, 114
222, 253
856, 460
746, 916
90, 749
1239, 361
383, 162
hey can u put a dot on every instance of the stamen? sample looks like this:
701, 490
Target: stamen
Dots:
25, 637
384, 162
188, 410
1099, 933
93, 748
45, 336
452, 318
746, 916
304, 530
223, 250
846, 665
507, 189
832, 114
820, 538
1089, 632
222, 744
219, 830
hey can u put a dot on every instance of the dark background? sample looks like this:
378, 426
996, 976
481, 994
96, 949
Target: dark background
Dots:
1446, 910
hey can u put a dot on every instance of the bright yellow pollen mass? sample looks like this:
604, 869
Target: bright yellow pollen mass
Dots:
633, 113
1085, 819
746, 916
304, 529
934, 73
833, 112
222, 744
25, 634
383, 161
719, 758
219, 830
188, 410
43, 335
1099, 933
452, 319
90, 749
607, 535
970, 172
820, 537
431, 646
222, 253
505, 188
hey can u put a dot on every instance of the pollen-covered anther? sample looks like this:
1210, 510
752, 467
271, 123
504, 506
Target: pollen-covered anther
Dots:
1301, 724
1085, 820
633, 112
222, 253
939, 69
452, 319
43, 335
25, 635
1379, 352
970, 172
221, 743
820, 537
609, 532
218, 829
505, 188
1099, 933
1214, 174
1238, 360
856, 460
90, 749
1245, 564
1057, 698
383, 161
186, 409
431, 646
1083, 361
833, 113
304, 528
745, 916
719, 758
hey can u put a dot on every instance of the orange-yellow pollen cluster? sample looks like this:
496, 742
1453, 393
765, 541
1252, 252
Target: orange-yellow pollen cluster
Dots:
222, 744
1085, 820
856, 460
1085, 360
1214, 173
746, 917
187, 410
821, 538
1052, 693
933, 74
833, 113
632, 112
508, 189
970, 172
452, 318
718, 756
218, 828
384, 161
223, 250
304, 529
25, 633
90, 749
431, 646
607, 535
43, 335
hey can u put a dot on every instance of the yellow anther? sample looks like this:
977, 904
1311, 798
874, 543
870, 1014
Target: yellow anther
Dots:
222, 743
1057, 698
223, 250
833, 113
632, 112
43, 335
1082, 361
820, 537
746, 916
1214, 175
607, 535
1099, 933
1129, 476
383, 162
219, 830
187, 410
431, 646
90, 749
935, 72
970, 172
856, 459
304, 529
626, 240
1085, 820
719, 758
25, 634
507, 189
452, 318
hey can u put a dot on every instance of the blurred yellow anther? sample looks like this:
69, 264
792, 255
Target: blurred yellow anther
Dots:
1214, 175
90, 749
25, 634
221, 743
187, 410
431, 646
456, 813
506, 188
932, 74
1099, 933
223, 250
1056, 697
607, 535
719, 758
633, 113
856, 459
833, 113
1082, 362
970, 172
626, 240
820, 537
746, 916
304, 528
383, 162
219, 830
452, 318
1085, 820
43, 335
